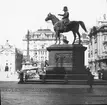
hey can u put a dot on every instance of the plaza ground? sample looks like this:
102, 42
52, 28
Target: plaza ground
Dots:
8, 76
13, 93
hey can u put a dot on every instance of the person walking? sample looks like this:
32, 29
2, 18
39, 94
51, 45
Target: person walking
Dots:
21, 75
6, 70
6, 67
90, 79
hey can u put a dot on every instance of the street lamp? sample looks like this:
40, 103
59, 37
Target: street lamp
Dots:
28, 38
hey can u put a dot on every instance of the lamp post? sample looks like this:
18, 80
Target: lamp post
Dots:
28, 38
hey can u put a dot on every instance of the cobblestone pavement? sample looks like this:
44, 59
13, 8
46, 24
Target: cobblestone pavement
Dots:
51, 94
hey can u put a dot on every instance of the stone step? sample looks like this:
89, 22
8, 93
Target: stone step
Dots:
72, 82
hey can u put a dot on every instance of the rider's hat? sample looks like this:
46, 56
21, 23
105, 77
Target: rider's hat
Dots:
65, 8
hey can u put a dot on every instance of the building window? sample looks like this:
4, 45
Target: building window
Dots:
35, 53
89, 46
45, 52
105, 37
48, 36
42, 46
6, 54
95, 39
91, 41
105, 48
91, 53
95, 51
42, 52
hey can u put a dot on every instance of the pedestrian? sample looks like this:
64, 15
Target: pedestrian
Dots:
21, 74
88, 69
42, 66
90, 79
6, 67
6, 70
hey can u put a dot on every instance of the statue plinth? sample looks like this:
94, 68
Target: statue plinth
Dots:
66, 59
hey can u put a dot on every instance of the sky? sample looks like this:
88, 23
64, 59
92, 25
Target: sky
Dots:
18, 16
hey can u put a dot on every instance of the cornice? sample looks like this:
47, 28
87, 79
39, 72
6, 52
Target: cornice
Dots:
39, 39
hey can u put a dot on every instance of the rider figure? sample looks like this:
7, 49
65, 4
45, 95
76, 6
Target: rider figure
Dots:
65, 18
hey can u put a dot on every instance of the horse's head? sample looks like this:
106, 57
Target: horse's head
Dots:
52, 17
49, 17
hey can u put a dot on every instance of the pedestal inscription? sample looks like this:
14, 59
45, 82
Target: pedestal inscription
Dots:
63, 58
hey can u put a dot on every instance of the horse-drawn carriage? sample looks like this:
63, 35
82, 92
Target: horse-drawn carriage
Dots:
28, 72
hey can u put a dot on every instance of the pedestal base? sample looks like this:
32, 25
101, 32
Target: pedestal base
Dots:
66, 59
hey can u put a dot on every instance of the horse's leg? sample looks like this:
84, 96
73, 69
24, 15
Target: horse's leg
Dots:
56, 38
59, 40
59, 37
74, 37
79, 37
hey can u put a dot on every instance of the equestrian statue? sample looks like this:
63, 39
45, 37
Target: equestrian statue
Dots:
65, 25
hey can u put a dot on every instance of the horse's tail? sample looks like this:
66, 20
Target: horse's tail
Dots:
83, 25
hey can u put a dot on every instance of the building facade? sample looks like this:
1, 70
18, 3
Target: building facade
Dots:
98, 46
10, 57
38, 42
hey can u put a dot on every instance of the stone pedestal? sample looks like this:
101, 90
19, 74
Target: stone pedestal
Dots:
66, 59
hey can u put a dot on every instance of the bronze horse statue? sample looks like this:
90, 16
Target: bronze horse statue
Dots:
72, 26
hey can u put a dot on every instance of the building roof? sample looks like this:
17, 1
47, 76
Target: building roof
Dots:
43, 31
7, 47
42, 35
100, 27
95, 29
